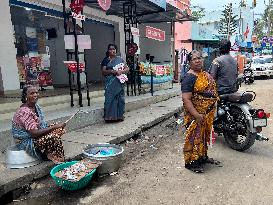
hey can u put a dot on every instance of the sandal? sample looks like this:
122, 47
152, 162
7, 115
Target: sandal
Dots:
195, 167
210, 161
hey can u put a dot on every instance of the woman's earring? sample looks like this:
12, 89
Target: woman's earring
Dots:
26, 99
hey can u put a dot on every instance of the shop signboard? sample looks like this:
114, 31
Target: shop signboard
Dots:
160, 3
155, 33
78, 16
135, 31
105, 4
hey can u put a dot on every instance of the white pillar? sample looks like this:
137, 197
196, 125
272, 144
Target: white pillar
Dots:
9, 70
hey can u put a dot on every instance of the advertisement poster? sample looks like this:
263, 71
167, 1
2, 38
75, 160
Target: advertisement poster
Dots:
41, 42
31, 32
35, 70
45, 62
21, 69
32, 44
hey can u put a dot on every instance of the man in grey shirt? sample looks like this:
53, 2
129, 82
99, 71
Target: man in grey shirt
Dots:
224, 70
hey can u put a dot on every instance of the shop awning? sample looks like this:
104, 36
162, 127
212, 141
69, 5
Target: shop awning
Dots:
171, 14
200, 40
206, 40
147, 11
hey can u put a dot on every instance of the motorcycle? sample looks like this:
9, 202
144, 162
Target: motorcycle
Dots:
248, 76
239, 123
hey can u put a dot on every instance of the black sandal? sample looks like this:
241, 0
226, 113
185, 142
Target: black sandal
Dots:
194, 167
211, 161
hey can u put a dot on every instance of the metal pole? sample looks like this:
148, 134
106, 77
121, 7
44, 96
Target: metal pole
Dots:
77, 60
67, 56
152, 80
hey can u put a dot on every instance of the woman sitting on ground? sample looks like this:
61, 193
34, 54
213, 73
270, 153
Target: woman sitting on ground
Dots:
31, 132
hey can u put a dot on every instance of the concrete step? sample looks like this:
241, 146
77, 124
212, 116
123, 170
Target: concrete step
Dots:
47, 101
7, 109
89, 114
54, 106
135, 122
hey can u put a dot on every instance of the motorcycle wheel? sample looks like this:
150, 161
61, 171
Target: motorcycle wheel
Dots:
242, 139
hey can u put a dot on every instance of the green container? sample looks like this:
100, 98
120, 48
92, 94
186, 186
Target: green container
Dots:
69, 185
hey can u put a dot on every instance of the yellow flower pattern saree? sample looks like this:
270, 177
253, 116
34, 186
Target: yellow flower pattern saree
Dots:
204, 98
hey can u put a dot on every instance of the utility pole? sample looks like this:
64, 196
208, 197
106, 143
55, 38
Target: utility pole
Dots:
268, 17
240, 19
229, 20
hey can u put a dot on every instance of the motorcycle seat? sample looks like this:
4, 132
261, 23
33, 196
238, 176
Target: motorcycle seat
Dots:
238, 97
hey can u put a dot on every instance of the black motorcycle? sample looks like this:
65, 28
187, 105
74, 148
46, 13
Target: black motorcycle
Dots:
248, 76
239, 123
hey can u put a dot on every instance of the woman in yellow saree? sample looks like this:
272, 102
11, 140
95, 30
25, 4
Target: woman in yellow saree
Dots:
199, 96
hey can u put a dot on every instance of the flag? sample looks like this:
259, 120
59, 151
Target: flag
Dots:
246, 32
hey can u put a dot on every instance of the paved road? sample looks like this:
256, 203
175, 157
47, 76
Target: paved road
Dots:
153, 171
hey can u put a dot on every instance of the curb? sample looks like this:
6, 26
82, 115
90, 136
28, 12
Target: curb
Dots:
13, 183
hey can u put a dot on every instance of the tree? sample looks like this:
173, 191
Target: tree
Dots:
261, 27
198, 13
228, 21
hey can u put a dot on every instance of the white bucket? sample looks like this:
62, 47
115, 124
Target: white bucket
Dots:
16, 159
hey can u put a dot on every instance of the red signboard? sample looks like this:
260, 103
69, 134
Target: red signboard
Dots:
155, 33
72, 66
105, 4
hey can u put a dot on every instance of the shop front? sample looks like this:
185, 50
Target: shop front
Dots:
37, 43
161, 42
35, 47
156, 52
39, 40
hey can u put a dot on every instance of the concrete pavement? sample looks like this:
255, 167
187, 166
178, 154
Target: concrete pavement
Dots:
145, 112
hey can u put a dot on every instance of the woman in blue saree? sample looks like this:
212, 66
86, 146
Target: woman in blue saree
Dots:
31, 132
113, 67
